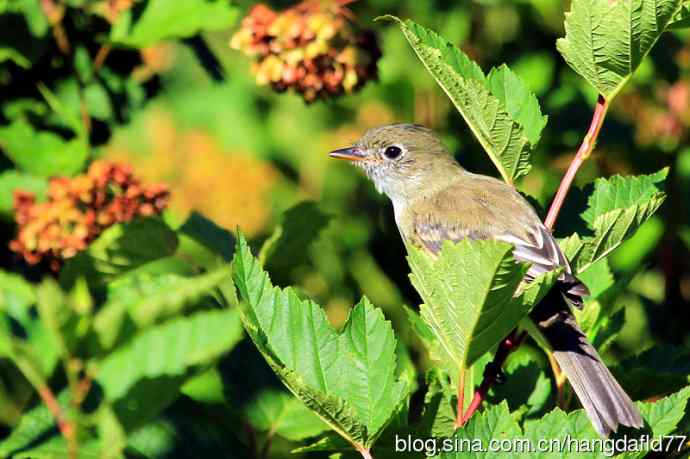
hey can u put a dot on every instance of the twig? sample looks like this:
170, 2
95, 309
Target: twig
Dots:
66, 427
101, 56
55, 13
581, 156
492, 372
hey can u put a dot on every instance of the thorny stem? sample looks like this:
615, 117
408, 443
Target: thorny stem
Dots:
583, 153
492, 370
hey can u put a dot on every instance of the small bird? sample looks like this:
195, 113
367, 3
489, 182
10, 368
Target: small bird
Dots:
435, 199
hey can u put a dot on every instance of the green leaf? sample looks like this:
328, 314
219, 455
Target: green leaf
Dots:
663, 416
500, 111
495, 423
620, 192
568, 435
346, 377
281, 413
169, 350
16, 296
215, 238
605, 41
148, 298
616, 208
155, 439
597, 278
468, 296
682, 19
119, 249
528, 387
42, 153
14, 55
33, 424
57, 448
287, 246
36, 344
163, 20
562, 426
13, 180
655, 371
518, 100
440, 404
37, 437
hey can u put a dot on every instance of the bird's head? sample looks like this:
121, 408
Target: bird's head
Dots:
401, 159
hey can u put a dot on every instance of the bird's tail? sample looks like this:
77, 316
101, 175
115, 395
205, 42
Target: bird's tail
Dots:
604, 400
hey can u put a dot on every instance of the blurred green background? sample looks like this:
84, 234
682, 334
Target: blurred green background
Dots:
242, 154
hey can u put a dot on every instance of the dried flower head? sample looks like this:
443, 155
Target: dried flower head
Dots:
78, 209
313, 47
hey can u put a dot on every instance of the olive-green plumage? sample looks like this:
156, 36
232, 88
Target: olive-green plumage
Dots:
435, 199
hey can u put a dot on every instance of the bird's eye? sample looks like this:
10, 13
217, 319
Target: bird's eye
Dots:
392, 152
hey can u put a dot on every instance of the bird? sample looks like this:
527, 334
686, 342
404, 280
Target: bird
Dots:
435, 199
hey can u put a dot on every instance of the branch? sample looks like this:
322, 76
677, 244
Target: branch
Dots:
55, 13
583, 153
66, 427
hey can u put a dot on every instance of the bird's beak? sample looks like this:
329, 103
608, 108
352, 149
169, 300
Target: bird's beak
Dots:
349, 153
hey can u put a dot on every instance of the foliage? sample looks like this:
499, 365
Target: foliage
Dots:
134, 345
499, 109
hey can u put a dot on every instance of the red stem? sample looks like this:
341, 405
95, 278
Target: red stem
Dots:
581, 156
64, 425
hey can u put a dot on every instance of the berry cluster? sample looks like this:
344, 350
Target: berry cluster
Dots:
78, 209
313, 47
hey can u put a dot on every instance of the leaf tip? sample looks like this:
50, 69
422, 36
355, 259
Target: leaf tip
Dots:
388, 18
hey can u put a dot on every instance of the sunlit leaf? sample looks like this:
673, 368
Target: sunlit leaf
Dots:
499, 109
169, 349
146, 299
347, 377
616, 208
42, 153
163, 20
281, 413
605, 41
121, 248
468, 296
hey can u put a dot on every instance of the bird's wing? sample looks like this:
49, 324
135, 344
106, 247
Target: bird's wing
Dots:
491, 210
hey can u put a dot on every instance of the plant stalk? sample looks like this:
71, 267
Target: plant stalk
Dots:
66, 427
583, 153
461, 398
366, 454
